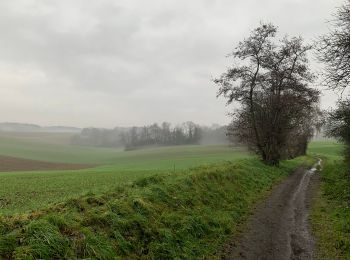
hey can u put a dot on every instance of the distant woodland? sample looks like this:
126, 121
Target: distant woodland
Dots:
152, 135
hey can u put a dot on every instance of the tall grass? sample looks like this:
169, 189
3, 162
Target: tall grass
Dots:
188, 214
331, 213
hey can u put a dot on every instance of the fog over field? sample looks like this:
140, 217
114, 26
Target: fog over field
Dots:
107, 63
175, 129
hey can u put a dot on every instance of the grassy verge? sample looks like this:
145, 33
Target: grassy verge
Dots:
184, 215
331, 213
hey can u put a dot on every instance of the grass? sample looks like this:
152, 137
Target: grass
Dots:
162, 157
330, 215
24, 191
187, 214
329, 149
147, 203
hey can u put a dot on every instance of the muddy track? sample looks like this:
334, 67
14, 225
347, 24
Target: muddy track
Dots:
279, 228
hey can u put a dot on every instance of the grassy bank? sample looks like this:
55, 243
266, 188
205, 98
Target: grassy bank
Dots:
331, 213
176, 215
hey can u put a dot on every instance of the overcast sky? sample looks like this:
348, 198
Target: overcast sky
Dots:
123, 62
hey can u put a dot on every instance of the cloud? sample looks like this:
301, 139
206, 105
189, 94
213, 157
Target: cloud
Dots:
107, 63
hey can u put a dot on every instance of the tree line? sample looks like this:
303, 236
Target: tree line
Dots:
152, 135
186, 133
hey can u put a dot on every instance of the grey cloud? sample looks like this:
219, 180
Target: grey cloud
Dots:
125, 62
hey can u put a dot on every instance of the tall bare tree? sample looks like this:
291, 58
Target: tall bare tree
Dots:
334, 51
270, 79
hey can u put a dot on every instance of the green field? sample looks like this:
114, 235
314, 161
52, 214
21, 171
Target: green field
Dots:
152, 158
330, 149
152, 202
183, 215
24, 191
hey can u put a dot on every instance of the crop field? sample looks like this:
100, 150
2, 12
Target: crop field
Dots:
13, 164
330, 149
187, 215
140, 185
24, 190
152, 158
51, 171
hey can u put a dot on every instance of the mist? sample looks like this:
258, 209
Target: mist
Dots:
107, 63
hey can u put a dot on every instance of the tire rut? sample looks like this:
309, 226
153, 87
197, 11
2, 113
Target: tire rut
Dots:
279, 228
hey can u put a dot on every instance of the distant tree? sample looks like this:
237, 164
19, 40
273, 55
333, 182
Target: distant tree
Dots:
137, 137
179, 136
193, 132
166, 133
157, 133
309, 125
270, 80
197, 135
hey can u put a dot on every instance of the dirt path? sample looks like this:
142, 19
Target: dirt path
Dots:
279, 228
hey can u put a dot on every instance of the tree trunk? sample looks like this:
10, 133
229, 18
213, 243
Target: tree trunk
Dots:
273, 150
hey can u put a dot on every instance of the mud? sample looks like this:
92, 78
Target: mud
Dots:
279, 228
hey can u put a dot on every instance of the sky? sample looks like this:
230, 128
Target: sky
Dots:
107, 63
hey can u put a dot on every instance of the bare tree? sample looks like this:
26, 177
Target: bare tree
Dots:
334, 50
308, 126
270, 80
338, 126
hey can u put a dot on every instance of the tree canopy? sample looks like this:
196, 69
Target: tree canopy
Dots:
334, 50
270, 79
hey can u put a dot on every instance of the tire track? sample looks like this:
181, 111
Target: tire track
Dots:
279, 229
